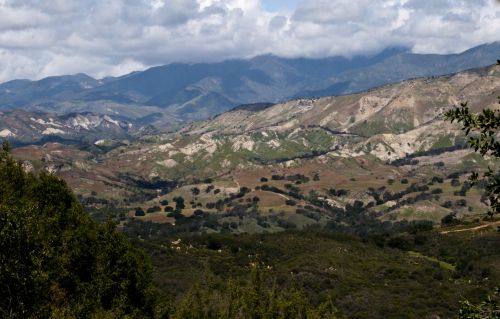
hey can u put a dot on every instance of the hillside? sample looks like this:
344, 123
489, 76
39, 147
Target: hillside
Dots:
388, 123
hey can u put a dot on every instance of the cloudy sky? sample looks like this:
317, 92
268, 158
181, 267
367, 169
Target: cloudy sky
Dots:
40, 38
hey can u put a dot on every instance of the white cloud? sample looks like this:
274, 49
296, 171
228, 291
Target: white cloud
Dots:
48, 37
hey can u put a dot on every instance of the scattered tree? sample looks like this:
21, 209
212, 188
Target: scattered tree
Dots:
195, 191
153, 209
139, 212
179, 203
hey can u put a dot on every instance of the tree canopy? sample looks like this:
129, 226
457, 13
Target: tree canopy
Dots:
56, 262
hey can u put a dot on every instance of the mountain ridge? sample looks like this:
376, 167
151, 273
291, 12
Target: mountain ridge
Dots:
198, 91
24, 127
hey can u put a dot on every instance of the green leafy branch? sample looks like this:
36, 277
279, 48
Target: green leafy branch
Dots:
483, 131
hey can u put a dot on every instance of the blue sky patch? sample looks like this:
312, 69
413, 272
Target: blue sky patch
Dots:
277, 5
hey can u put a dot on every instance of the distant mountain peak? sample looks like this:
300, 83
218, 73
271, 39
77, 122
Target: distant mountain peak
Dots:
201, 90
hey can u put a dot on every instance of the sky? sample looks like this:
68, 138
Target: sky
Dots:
40, 38
279, 5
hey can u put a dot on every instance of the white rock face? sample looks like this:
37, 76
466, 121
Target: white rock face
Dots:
6, 133
243, 142
153, 174
226, 163
43, 122
81, 165
394, 146
100, 142
165, 147
89, 122
206, 143
274, 143
52, 168
50, 131
210, 143
110, 120
168, 163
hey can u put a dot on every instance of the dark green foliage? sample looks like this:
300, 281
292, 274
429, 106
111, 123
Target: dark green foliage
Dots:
164, 202
209, 189
153, 209
437, 179
179, 203
286, 224
290, 202
437, 191
168, 209
449, 219
56, 262
463, 191
298, 178
139, 212
210, 205
251, 299
461, 203
338, 193
198, 213
243, 191
399, 242
447, 204
363, 280
439, 164
455, 182
485, 127
195, 191
176, 214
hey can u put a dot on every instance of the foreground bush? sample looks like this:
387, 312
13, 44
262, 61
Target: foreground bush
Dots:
250, 300
56, 262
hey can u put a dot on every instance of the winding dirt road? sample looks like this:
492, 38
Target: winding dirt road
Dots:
471, 229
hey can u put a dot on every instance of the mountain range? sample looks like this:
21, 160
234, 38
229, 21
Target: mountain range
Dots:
386, 124
170, 94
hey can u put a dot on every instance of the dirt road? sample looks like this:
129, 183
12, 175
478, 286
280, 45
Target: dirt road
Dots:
471, 229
